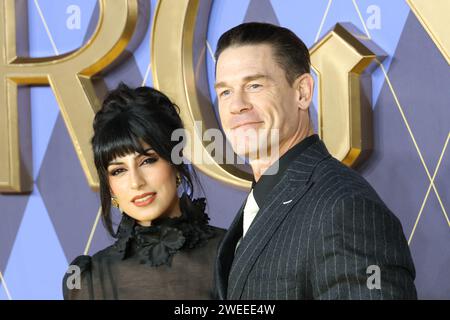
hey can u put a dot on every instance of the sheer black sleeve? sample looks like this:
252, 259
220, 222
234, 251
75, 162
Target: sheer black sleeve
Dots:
77, 282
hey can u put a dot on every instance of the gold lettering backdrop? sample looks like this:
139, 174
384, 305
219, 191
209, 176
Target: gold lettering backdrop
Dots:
342, 60
69, 76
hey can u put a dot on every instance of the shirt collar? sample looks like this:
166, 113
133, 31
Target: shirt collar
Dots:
266, 183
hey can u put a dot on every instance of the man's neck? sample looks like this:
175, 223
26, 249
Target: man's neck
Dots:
260, 165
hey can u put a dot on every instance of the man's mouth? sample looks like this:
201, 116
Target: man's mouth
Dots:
246, 124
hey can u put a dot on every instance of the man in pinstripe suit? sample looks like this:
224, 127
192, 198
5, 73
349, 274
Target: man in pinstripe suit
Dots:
313, 228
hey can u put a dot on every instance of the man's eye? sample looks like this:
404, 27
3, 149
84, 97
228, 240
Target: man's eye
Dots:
254, 86
224, 93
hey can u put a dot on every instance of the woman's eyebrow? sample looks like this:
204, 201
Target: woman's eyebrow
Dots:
146, 152
113, 163
137, 156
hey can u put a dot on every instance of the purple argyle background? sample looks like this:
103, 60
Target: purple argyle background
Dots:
42, 232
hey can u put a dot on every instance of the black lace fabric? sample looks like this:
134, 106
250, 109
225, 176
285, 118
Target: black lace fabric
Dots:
171, 259
156, 244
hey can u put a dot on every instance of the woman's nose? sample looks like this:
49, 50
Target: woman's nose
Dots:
136, 179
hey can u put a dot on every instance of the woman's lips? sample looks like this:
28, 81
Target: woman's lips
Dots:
145, 199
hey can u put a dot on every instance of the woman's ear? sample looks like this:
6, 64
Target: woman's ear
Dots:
304, 85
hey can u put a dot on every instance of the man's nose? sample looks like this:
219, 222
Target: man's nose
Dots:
239, 104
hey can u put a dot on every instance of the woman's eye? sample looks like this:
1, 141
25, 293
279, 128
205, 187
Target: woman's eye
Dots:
149, 161
116, 172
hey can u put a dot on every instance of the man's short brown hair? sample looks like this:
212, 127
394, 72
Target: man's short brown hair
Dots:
289, 51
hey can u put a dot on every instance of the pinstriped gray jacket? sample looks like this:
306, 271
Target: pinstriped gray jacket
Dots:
321, 229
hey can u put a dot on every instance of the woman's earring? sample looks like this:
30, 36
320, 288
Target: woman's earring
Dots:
114, 202
178, 180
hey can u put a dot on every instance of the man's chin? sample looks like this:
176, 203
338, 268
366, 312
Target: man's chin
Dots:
247, 152
250, 147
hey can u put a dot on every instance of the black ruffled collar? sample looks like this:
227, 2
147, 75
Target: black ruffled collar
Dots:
156, 244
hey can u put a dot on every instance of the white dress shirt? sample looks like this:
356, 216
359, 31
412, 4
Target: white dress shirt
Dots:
250, 211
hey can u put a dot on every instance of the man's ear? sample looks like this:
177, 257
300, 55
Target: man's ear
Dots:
304, 85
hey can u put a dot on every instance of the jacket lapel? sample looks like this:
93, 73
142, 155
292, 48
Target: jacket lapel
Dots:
288, 191
225, 254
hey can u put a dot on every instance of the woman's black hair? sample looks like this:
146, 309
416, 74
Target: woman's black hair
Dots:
127, 118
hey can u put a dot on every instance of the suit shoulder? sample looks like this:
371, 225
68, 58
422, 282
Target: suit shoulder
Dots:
344, 181
331, 167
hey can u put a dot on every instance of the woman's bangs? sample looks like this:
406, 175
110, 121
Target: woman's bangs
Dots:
118, 141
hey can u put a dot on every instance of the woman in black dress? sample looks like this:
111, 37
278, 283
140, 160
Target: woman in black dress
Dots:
165, 248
